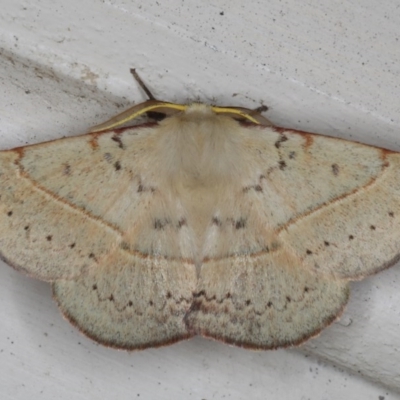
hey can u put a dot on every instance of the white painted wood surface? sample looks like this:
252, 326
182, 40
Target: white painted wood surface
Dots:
322, 66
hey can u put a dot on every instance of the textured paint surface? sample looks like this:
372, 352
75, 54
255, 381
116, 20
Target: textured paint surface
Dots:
200, 226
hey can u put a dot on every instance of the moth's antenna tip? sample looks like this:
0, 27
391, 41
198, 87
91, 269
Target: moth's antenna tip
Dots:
138, 79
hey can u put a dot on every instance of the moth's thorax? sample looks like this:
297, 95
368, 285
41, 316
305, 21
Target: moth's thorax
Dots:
199, 147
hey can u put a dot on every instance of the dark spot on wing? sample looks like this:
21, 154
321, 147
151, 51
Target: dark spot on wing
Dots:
326, 243
257, 188
391, 214
26, 227
288, 299
117, 165
142, 188
281, 139
275, 246
265, 249
182, 222
130, 304
10, 213
372, 227
216, 221
111, 298
240, 223
160, 223
308, 252
118, 140
49, 238
108, 157
335, 169
351, 237
125, 246
72, 245
67, 169
282, 165
269, 304
94, 287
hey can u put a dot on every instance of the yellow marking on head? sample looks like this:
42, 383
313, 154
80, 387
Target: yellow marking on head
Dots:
135, 112
152, 105
236, 111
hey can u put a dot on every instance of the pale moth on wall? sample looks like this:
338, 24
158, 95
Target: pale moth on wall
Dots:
210, 222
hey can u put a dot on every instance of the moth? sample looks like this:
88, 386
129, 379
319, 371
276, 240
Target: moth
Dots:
209, 222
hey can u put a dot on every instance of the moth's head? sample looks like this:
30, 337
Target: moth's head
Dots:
164, 110
159, 110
